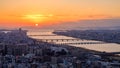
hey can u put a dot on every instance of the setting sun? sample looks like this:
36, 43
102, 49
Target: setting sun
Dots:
36, 25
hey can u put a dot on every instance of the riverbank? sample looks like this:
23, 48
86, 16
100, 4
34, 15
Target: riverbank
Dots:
77, 51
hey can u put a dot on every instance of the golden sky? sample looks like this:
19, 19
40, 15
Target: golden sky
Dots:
44, 12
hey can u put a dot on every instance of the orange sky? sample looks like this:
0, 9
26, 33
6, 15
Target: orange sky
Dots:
44, 12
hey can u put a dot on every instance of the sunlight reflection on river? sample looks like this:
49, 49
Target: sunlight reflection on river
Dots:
107, 47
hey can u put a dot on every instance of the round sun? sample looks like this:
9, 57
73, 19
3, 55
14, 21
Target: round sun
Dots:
36, 24
37, 19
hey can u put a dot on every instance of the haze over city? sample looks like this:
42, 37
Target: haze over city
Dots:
52, 14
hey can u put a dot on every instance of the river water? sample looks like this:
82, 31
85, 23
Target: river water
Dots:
107, 47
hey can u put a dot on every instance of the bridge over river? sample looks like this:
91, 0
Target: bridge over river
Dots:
65, 40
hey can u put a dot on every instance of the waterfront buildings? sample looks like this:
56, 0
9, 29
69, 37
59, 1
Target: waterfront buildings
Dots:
19, 51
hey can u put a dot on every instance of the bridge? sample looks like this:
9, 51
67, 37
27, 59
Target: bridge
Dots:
66, 41
81, 43
56, 40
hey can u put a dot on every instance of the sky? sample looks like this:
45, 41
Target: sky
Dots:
40, 13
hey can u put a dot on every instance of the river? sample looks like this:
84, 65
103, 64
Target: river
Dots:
107, 47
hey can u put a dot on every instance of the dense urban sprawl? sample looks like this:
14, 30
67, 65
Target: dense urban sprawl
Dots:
17, 50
